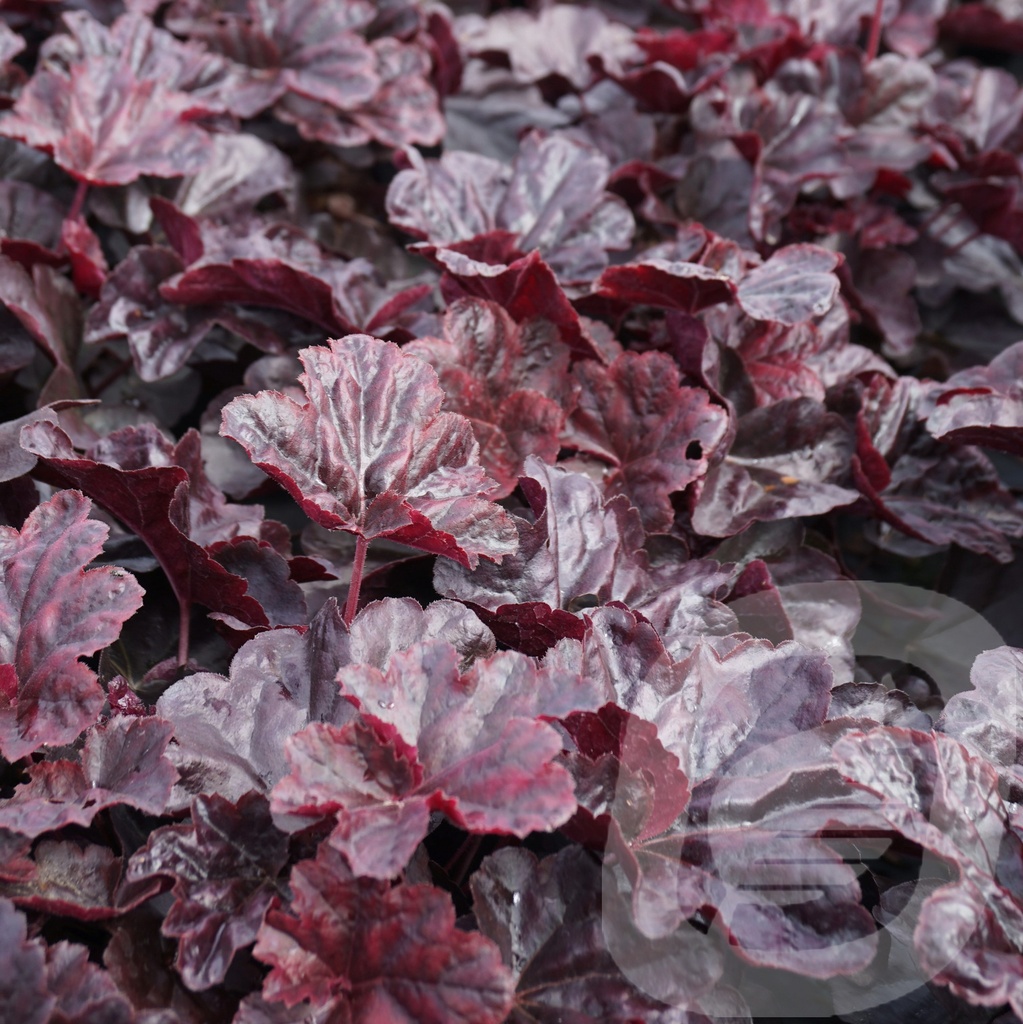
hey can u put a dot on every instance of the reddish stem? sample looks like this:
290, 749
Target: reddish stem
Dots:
184, 627
358, 564
874, 41
79, 201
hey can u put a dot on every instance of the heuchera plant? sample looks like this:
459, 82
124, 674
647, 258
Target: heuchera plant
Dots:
468, 475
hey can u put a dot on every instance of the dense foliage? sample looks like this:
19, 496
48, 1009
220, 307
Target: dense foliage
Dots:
464, 479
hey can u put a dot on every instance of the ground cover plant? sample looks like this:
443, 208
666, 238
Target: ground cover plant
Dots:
510, 512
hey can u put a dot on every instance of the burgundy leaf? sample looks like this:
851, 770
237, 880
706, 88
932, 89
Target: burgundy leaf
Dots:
918, 501
137, 475
242, 171
30, 223
55, 612
797, 283
225, 866
556, 41
23, 981
962, 944
88, 264
658, 437
15, 460
505, 379
385, 462
672, 284
107, 121
546, 918
431, 738
525, 288
403, 110
365, 950
122, 762
257, 261
84, 991
81, 882
786, 461
582, 546
47, 306
983, 405
553, 199
161, 335
230, 733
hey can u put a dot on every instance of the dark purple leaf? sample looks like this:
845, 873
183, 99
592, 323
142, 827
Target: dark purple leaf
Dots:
672, 284
107, 121
47, 306
552, 199
365, 950
23, 982
525, 288
242, 170
230, 733
137, 476
122, 762
422, 744
786, 461
505, 379
656, 436
88, 264
15, 460
30, 223
797, 283
983, 405
224, 866
403, 110
85, 992
385, 462
546, 918
82, 882
581, 545
55, 612
268, 578
161, 335
555, 41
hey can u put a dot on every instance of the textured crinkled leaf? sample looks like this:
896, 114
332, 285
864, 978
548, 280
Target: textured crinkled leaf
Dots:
363, 949
123, 762
553, 199
429, 738
136, 474
505, 379
558, 40
657, 437
983, 405
230, 733
582, 549
23, 982
797, 283
52, 613
988, 720
161, 335
65, 118
371, 453
785, 462
225, 866
526, 289
46, 304
547, 919
84, 882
